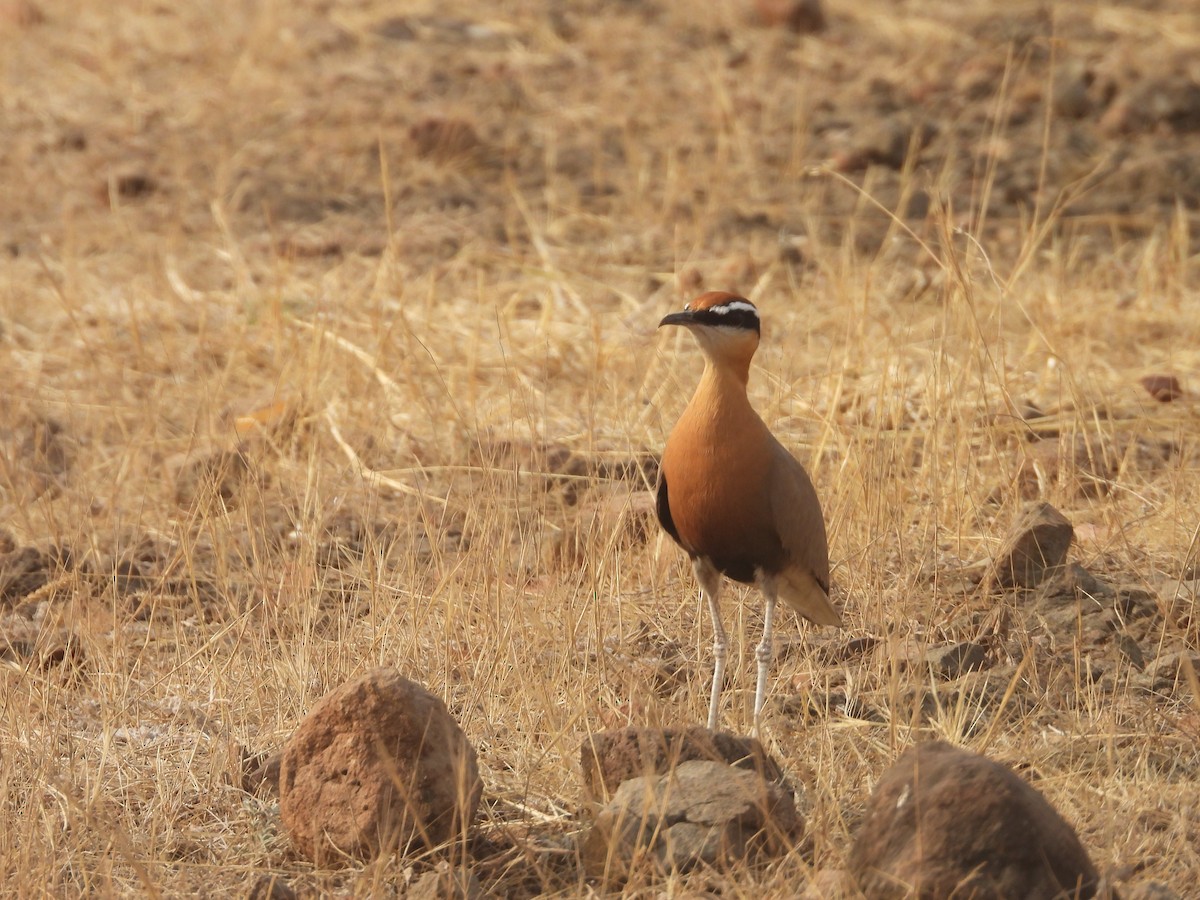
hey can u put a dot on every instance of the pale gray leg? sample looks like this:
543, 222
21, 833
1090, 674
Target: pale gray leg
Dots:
710, 589
765, 648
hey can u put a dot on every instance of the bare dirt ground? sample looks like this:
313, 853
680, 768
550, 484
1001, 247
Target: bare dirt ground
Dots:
327, 337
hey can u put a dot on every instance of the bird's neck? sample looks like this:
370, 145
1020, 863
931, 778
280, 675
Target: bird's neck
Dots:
726, 374
722, 388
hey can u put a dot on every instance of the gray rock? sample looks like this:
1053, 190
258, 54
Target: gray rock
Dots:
1083, 582
943, 822
271, 887
704, 812
1178, 598
1149, 890
1134, 602
1169, 671
1129, 648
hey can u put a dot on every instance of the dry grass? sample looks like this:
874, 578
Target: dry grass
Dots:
220, 231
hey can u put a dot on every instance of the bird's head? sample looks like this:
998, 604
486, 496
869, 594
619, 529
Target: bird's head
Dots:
725, 325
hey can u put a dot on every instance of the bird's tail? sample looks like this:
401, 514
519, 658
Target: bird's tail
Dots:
805, 595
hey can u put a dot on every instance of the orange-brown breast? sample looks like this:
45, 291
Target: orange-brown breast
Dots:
717, 465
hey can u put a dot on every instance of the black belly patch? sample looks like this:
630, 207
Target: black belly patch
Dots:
736, 569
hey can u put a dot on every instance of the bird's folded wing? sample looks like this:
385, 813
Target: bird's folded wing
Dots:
803, 582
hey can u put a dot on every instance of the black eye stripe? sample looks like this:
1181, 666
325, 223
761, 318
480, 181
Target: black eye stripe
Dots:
732, 318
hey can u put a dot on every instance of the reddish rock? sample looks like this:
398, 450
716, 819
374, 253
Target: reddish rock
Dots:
377, 765
943, 822
801, 16
1036, 548
1163, 388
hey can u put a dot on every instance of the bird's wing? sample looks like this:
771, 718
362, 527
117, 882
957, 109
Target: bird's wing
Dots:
804, 580
662, 508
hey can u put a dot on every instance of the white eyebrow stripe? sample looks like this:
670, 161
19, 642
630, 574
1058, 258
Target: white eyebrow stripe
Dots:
733, 306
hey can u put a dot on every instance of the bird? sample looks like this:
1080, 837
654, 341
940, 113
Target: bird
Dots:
733, 497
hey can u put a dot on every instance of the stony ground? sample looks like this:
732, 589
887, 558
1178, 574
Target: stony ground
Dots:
327, 332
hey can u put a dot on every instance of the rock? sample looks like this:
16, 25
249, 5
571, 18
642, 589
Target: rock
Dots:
943, 822
446, 882
377, 765
951, 661
1178, 600
1172, 101
271, 887
702, 813
132, 184
395, 28
1149, 890
1036, 547
1129, 648
1163, 388
801, 16
1070, 95
1134, 602
884, 141
22, 572
609, 758
1169, 670
25, 570
21, 13
1079, 581
260, 773
839, 652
